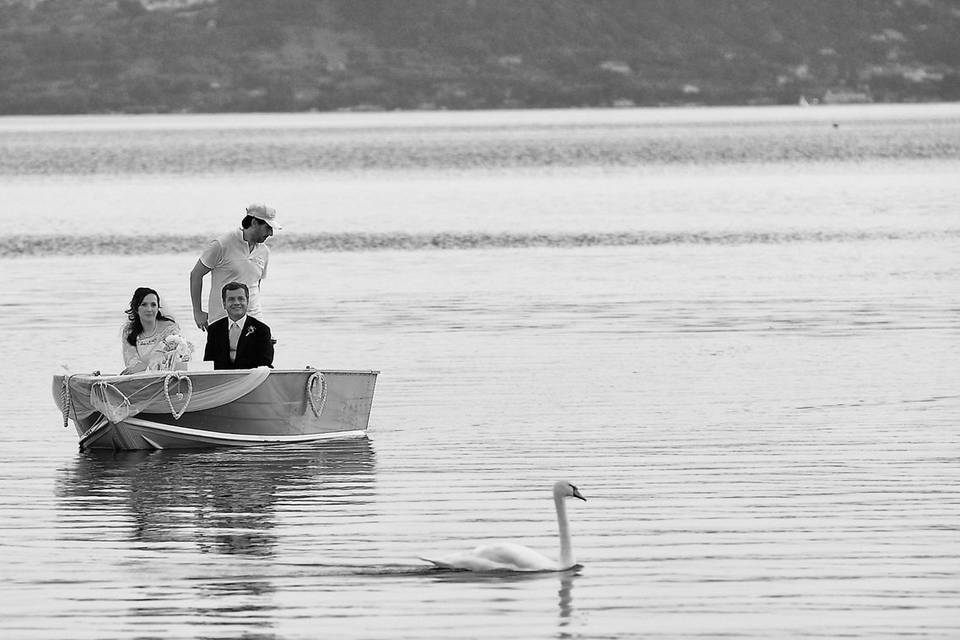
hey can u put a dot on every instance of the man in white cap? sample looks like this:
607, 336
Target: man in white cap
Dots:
239, 256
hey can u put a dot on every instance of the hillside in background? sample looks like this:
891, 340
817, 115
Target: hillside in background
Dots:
88, 56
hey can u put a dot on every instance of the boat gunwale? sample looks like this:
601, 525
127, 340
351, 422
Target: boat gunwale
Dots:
181, 373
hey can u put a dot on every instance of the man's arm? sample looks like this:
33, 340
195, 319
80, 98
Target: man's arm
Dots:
196, 294
266, 349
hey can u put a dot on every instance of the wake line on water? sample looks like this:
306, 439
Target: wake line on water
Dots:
64, 244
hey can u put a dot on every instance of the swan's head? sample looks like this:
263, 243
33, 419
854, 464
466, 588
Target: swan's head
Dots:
564, 489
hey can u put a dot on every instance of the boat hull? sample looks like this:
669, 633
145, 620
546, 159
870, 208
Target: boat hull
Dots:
183, 410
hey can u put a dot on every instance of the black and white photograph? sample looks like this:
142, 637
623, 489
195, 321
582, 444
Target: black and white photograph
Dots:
480, 319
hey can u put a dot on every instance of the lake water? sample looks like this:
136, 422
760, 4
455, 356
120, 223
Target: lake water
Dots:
736, 330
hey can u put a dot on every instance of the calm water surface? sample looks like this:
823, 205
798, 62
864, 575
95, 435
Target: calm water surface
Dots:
752, 374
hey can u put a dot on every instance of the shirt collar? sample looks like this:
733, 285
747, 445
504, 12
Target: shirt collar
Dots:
242, 321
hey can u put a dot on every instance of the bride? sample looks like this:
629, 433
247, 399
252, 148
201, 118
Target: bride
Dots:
148, 336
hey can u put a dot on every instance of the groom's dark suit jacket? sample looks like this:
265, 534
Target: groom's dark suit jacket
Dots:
254, 349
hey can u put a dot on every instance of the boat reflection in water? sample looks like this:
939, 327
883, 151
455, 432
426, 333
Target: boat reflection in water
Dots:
225, 501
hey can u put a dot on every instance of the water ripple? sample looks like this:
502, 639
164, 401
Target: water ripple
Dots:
64, 244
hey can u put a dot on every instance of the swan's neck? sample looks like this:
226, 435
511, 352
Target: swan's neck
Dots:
566, 549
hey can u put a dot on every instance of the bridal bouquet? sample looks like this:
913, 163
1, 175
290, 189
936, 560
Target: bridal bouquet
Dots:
175, 350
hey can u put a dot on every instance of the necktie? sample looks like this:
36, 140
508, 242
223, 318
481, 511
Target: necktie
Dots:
234, 339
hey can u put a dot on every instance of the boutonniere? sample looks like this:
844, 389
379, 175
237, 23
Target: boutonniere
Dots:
249, 332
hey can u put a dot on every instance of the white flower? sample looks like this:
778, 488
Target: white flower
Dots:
176, 347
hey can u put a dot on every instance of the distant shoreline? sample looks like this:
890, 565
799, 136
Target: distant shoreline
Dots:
818, 106
40, 245
484, 117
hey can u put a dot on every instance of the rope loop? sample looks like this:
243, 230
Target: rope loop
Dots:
179, 377
100, 395
316, 379
65, 400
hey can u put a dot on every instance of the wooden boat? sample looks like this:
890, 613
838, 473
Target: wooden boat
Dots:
243, 407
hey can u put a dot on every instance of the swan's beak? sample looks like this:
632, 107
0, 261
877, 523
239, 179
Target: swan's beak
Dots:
577, 494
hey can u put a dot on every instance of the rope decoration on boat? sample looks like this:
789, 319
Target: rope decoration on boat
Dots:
65, 401
316, 379
99, 394
180, 377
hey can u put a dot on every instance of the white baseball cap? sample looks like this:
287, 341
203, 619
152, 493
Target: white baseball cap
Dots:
267, 214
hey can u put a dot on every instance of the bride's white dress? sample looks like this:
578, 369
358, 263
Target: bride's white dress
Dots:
152, 350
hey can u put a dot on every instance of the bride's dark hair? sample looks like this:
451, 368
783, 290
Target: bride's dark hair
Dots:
134, 327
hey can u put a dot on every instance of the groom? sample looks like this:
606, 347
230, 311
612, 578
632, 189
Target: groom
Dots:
238, 341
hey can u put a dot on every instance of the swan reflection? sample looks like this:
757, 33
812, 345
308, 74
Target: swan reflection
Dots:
566, 610
566, 594
223, 500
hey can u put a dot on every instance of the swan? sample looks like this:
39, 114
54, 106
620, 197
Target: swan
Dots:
508, 556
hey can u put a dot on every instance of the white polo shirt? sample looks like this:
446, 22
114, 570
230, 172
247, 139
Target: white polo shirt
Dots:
230, 259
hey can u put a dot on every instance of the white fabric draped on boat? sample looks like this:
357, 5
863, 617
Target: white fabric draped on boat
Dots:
174, 392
